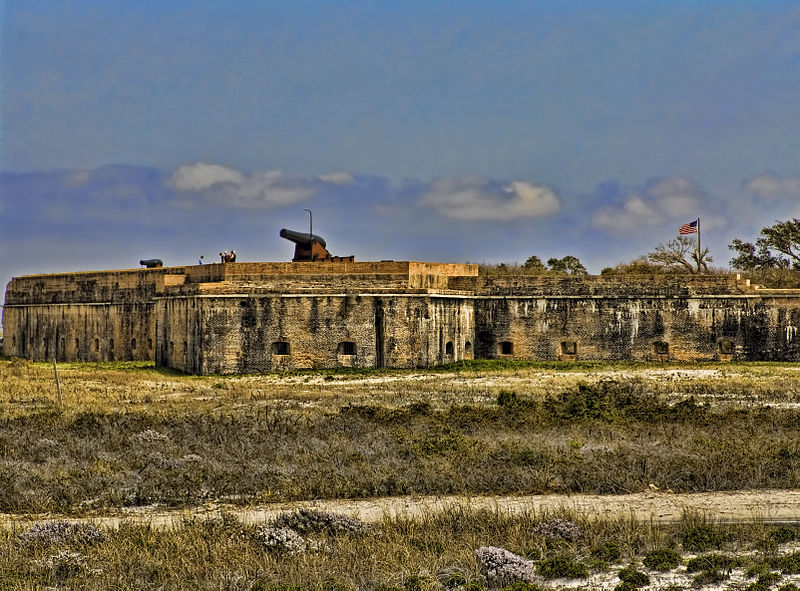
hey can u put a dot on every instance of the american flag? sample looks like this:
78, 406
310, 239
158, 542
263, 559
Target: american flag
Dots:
690, 228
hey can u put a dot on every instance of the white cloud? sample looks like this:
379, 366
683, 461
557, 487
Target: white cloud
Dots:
337, 178
635, 212
216, 184
200, 176
669, 199
475, 198
767, 184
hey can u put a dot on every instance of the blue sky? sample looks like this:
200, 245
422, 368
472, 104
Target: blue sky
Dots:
425, 130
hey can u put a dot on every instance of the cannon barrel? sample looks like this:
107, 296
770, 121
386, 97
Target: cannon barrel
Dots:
151, 263
302, 237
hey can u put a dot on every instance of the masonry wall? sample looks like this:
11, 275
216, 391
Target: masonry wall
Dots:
241, 334
98, 316
654, 328
255, 317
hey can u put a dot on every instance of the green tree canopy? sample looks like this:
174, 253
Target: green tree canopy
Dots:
569, 264
778, 247
534, 264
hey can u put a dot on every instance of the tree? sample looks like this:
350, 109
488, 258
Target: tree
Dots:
534, 265
681, 253
777, 248
569, 264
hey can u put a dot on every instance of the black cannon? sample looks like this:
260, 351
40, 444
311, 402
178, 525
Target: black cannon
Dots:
310, 247
151, 263
303, 238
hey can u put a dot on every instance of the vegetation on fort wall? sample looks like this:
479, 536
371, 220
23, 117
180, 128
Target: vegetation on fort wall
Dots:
458, 549
137, 437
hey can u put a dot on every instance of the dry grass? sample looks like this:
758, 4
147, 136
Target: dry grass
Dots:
431, 552
129, 435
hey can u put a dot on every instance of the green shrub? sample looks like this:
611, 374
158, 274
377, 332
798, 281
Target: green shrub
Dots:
789, 587
702, 538
633, 578
712, 562
789, 564
419, 583
506, 398
520, 586
709, 577
454, 580
562, 567
607, 552
783, 534
663, 559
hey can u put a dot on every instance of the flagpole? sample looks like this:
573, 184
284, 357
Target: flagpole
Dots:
698, 245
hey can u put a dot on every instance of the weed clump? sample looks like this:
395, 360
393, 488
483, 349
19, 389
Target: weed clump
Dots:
789, 564
712, 562
65, 564
630, 579
282, 540
307, 521
663, 559
62, 532
562, 567
609, 552
558, 529
501, 567
703, 537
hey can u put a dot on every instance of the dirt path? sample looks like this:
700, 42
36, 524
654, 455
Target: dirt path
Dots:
769, 505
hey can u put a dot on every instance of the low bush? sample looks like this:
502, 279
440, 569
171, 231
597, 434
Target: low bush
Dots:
662, 559
562, 567
703, 537
713, 562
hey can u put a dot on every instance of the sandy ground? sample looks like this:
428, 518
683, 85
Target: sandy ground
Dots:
753, 505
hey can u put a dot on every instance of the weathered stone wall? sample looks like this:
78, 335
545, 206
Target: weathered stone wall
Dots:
648, 328
98, 316
88, 332
255, 317
240, 334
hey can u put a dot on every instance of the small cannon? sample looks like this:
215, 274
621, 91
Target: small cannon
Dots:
310, 247
151, 263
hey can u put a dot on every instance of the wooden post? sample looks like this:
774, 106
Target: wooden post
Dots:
58, 384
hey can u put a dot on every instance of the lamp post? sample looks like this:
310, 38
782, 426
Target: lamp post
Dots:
310, 222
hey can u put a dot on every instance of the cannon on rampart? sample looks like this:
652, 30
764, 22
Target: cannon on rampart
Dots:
151, 263
310, 247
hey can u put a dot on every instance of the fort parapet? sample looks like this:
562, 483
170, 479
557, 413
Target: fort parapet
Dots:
254, 317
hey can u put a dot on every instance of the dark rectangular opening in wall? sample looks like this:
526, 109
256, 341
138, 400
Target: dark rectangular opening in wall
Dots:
378, 335
281, 348
569, 348
133, 344
347, 348
661, 348
150, 343
97, 344
448, 348
726, 347
506, 348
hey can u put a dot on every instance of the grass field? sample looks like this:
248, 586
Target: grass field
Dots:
128, 435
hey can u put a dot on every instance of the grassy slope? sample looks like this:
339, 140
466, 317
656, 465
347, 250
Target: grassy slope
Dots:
130, 435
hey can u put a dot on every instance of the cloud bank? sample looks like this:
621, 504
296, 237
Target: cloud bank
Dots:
476, 198
767, 184
672, 200
204, 184
112, 216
